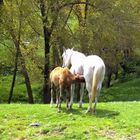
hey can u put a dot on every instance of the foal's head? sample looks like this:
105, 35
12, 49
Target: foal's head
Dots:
67, 57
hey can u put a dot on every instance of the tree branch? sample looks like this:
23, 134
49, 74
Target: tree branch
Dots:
86, 11
75, 3
67, 17
10, 49
33, 28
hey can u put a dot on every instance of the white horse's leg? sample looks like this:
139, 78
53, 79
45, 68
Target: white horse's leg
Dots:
72, 95
51, 103
94, 109
97, 96
81, 94
95, 103
88, 87
90, 102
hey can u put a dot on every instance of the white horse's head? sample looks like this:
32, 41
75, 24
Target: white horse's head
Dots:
67, 57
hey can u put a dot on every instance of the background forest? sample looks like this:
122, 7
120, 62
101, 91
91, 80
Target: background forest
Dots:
34, 32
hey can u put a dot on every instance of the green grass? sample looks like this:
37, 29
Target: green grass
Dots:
117, 118
114, 120
122, 91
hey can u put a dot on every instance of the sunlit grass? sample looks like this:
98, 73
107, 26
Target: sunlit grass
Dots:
117, 118
114, 120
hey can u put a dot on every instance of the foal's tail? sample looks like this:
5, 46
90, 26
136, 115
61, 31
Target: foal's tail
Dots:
98, 76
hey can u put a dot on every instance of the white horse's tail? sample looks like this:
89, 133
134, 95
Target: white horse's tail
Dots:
98, 76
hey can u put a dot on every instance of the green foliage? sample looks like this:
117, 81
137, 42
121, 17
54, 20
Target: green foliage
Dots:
20, 92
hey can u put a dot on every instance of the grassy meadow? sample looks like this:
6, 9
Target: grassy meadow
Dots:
117, 118
114, 120
37, 31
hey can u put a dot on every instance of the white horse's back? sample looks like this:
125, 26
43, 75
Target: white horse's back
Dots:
77, 58
93, 60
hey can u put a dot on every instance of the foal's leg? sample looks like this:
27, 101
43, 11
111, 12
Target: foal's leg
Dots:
60, 98
81, 94
68, 97
72, 95
57, 97
51, 103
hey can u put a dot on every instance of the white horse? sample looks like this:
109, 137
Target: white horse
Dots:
75, 59
91, 67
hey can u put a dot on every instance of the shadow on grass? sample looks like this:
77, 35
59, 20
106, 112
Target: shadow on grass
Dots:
100, 113
72, 111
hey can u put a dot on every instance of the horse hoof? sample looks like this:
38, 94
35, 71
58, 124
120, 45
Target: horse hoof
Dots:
80, 106
87, 111
59, 111
70, 107
94, 112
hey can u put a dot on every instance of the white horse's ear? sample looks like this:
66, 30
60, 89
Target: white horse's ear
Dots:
72, 48
64, 49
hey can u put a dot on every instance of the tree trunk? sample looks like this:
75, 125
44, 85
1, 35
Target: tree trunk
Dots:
46, 91
116, 75
27, 79
14, 77
108, 80
25, 74
1, 2
86, 10
1, 10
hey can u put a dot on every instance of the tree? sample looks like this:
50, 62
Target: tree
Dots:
108, 28
51, 8
47, 31
1, 2
13, 26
